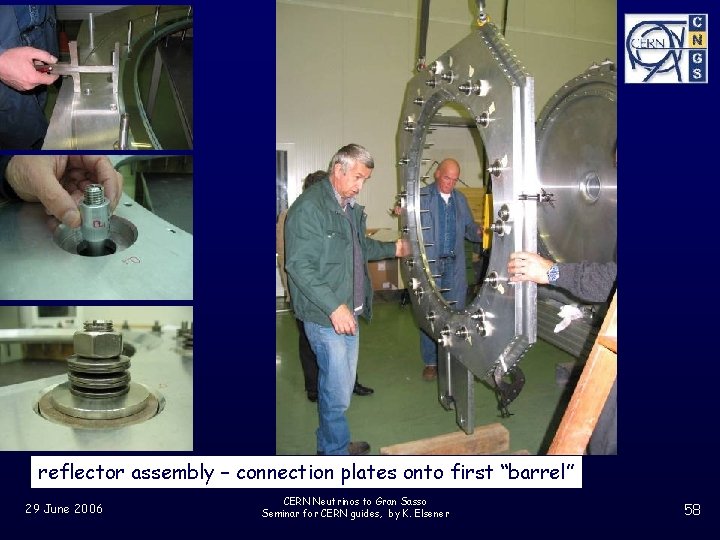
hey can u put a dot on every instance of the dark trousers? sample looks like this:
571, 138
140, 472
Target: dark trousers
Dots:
307, 359
604, 438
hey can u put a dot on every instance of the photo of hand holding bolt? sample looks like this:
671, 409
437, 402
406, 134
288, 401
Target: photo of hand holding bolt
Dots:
60, 182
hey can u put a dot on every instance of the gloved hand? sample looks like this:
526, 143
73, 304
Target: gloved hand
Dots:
58, 182
568, 313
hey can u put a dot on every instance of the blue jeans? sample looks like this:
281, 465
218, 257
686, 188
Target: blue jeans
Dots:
446, 269
337, 357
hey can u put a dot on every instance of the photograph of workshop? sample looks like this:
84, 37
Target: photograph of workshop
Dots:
105, 77
91, 227
96, 378
446, 202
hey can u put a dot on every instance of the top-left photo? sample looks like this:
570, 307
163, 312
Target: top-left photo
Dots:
96, 77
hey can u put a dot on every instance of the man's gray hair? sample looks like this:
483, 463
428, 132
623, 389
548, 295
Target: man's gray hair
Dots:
350, 154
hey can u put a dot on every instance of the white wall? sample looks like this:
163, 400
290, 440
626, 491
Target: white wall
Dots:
135, 315
342, 67
139, 316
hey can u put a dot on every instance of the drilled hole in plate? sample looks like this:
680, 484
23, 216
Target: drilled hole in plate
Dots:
590, 187
108, 247
122, 235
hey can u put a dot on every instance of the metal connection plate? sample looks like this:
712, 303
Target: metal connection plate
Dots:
159, 265
157, 364
482, 75
84, 121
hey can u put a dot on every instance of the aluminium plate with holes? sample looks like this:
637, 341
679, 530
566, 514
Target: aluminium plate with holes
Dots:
157, 266
482, 75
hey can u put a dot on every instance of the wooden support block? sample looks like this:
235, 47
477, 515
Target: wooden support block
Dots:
490, 439
609, 342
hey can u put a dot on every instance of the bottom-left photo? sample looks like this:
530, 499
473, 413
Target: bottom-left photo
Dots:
96, 378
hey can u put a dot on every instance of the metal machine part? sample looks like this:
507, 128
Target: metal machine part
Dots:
98, 394
488, 338
156, 362
576, 142
154, 259
576, 145
95, 227
139, 111
185, 338
102, 108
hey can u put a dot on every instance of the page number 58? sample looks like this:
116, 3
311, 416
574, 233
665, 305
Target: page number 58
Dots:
692, 509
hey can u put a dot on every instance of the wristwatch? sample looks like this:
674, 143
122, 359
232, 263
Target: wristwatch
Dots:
553, 274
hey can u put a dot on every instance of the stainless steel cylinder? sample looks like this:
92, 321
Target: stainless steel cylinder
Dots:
129, 35
124, 131
91, 27
95, 214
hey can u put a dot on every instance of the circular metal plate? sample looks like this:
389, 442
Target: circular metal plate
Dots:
576, 142
130, 403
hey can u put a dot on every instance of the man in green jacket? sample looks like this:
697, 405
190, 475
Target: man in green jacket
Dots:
326, 254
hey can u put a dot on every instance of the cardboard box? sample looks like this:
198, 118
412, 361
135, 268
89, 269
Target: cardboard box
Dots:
383, 274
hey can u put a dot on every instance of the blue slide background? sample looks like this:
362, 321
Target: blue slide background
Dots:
669, 199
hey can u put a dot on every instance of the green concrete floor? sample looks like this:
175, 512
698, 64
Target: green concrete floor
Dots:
405, 408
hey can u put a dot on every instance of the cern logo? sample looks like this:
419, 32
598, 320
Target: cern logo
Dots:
657, 47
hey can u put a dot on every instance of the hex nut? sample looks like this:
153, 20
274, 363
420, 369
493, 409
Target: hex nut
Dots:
98, 344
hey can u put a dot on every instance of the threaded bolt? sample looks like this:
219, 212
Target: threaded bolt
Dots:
98, 378
94, 195
98, 326
95, 227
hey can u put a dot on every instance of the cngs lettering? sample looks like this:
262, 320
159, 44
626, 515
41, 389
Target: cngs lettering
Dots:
413, 502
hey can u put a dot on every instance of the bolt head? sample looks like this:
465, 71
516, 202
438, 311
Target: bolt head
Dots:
98, 344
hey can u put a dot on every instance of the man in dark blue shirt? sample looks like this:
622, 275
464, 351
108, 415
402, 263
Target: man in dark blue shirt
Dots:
448, 222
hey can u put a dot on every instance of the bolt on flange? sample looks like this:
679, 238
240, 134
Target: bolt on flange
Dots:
95, 227
98, 393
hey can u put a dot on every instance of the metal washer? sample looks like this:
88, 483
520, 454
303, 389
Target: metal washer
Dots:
61, 406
